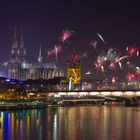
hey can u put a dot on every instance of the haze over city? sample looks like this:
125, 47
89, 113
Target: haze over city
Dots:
43, 23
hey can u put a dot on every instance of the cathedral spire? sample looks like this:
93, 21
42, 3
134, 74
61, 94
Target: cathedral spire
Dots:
21, 49
15, 41
40, 55
21, 39
15, 33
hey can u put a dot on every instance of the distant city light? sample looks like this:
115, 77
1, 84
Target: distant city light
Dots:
7, 80
21, 82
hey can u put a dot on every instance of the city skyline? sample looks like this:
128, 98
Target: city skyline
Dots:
43, 23
69, 69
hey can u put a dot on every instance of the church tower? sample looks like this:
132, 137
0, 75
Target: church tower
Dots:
40, 58
21, 49
17, 56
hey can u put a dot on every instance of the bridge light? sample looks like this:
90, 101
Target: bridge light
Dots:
62, 93
129, 93
106, 93
83, 93
117, 93
138, 93
94, 93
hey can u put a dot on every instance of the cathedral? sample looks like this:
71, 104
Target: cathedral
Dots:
19, 68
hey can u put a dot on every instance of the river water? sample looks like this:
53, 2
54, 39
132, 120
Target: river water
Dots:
72, 123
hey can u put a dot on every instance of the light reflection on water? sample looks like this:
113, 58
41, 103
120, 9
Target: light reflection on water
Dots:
71, 123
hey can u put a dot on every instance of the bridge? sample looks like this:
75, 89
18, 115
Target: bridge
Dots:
129, 97
130, 93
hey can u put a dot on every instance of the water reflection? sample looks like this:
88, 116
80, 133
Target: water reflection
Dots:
71, 123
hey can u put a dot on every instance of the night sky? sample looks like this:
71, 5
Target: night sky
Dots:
43, 21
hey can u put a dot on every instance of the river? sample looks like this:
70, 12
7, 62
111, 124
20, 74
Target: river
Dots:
72, 123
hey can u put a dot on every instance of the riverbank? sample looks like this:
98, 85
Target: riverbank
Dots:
23, 105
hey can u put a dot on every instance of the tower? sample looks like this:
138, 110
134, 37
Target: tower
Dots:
21, 49
14, 51
40, 58
17, 56
74, 69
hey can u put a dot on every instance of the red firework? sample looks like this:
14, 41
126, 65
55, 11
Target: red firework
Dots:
66, 34
114, 79
75, 57
133, 51
130, 76
55, 51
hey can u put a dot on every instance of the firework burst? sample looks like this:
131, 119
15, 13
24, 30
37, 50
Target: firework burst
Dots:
66, 34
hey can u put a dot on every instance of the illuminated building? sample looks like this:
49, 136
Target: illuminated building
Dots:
74, 69
17, 57
18, 67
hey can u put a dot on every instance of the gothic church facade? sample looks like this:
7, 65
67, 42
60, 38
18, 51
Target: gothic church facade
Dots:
19, 68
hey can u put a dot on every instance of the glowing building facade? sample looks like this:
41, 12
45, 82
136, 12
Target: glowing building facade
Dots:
19, 68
